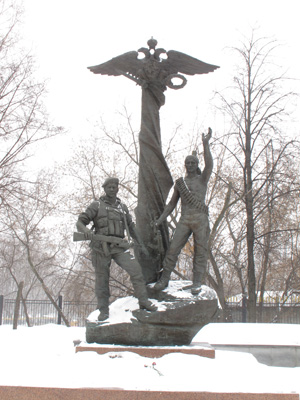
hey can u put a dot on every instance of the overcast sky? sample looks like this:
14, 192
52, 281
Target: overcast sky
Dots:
67, 36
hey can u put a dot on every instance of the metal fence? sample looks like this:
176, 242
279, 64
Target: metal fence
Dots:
268, 313
43, 312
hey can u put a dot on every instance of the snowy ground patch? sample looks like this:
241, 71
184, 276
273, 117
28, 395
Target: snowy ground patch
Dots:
45, 356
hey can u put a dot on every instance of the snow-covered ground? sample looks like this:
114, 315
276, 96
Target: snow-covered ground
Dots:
45, 356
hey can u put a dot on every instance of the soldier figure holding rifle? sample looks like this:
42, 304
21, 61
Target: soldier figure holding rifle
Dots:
111, 219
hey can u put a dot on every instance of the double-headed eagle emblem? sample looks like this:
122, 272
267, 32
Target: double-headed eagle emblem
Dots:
158, 67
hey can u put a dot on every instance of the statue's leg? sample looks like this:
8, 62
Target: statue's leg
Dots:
101, 264
181, 235
129, 263
201, 235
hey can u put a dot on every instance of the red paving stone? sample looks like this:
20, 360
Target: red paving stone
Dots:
36, 393
202, 349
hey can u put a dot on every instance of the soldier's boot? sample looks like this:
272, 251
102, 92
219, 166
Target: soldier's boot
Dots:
197, 283
163, 282
104, 314
142, 296
145, 304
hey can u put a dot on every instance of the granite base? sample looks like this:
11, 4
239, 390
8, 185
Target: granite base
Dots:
201, 349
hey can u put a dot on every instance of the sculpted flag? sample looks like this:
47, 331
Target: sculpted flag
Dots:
153, 73
154, 184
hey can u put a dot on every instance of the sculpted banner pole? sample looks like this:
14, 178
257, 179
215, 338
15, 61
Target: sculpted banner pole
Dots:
154, 74
154, 184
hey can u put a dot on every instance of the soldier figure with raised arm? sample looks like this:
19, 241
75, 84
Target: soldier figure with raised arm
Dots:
111, 219
194, 218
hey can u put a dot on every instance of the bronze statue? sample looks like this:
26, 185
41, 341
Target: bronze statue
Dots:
194, 218
154, 73
111, 219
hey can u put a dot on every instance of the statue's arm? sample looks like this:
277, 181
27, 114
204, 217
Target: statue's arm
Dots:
169, 207
86, 217
81, 227
207, 156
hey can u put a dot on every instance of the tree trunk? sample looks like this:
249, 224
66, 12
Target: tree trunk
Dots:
249, 210
17, 305
250, 253
267, 238
46, 290
26, 311
265, 265
219, 285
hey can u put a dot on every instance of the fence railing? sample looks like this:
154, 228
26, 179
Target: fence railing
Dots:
267, 313
41, 312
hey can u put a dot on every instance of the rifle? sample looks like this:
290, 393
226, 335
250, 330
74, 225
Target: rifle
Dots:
157, 246
112, 240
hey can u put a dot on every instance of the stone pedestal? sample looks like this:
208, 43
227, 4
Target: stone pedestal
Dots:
179, 317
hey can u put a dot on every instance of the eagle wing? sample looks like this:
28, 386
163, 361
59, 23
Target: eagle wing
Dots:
123, 64
180, 62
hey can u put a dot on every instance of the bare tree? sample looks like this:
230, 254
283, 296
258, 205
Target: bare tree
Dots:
30, 225
256, 106
23, 118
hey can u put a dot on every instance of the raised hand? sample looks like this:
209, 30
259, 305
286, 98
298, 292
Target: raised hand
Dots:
206, 138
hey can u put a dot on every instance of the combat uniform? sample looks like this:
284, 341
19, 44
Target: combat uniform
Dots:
111, 220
